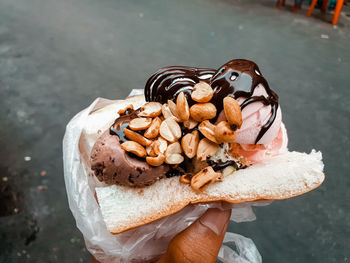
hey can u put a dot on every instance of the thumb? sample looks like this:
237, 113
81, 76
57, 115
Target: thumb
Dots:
201, 241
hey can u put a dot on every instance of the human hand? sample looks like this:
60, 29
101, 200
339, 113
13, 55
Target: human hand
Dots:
200, 242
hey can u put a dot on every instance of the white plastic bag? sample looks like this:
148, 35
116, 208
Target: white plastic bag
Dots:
148, 242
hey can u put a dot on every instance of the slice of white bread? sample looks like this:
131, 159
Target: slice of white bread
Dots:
123, 208
283, 176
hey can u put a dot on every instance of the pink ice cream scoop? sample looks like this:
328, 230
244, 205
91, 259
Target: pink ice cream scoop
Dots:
257, 153
255, 116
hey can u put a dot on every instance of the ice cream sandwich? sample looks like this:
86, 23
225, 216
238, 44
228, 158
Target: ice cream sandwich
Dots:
197, 135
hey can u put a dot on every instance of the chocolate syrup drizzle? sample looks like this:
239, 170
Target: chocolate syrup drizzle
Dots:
237, 78
168, 82
221, 165
122, 122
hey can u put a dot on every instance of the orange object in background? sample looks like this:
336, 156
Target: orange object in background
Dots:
337, 9
297, 6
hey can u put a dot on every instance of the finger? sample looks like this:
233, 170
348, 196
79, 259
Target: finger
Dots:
201, 241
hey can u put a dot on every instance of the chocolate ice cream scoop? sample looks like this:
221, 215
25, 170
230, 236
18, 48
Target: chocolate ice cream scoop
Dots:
113, 165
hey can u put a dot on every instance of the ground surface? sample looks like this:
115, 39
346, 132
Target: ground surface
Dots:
57, 56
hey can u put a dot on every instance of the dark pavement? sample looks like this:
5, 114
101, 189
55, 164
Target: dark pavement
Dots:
56, 57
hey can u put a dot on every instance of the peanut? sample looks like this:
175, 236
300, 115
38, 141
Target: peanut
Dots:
173, 109
139, 124
189, 144
173, 154
151, 109
170, 130
206, 149
204, 178
160, 146
233, 112
173, 148
153, 129
185, 178
167, 112
207, 129
122, 111
203, 111
174, 158
155, 161
133, 136
202, 92
190, 123
150, 150
134, 148
224, 133
182, 108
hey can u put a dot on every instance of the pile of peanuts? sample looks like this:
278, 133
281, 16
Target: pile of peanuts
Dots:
161, 140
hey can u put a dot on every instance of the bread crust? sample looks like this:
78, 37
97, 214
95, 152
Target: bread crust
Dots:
177, 207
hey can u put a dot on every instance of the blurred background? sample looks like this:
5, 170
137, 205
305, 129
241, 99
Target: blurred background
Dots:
56, 57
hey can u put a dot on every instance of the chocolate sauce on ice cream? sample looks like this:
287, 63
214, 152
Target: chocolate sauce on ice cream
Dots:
121, 123
236, 78
168, 82
221, 165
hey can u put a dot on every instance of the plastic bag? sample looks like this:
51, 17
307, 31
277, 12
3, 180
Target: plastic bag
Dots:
148, 242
